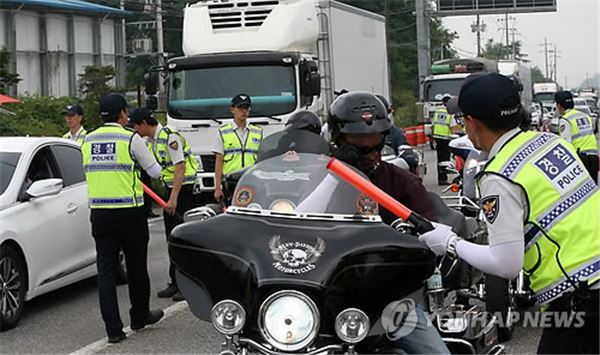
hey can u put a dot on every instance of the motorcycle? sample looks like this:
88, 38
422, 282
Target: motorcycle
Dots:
302, 263
408, 158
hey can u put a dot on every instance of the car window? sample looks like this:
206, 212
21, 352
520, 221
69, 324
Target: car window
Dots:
42, 166
8, 164
70, 164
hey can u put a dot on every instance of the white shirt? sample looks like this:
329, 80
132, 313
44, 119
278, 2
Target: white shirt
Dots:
174, 143
141, 154
512, 209
242, 133
74, 137
564, 128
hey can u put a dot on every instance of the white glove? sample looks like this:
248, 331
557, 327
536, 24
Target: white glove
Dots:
437, 240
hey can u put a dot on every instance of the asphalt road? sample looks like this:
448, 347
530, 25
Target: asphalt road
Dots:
68, 320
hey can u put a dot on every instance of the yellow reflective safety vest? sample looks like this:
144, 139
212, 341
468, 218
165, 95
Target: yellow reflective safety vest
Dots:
562, 228
111, 173
160, 149
582, 131
235, 154
441, 124
80, 137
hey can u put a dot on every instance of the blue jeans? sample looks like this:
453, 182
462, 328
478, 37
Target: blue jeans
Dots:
423, 339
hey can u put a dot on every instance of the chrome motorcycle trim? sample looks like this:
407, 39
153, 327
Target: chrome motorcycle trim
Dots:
264, 307
496, 350
264, 350
460, 201
310, 216
461, 342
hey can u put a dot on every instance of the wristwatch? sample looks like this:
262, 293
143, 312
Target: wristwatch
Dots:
451, 247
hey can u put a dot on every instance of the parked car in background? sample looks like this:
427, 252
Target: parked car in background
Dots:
45, 236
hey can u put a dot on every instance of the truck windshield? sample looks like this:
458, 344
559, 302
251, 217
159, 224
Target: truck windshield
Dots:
206, 93
435, 90
544, 97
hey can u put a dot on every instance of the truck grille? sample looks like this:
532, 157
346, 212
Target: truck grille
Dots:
240, 14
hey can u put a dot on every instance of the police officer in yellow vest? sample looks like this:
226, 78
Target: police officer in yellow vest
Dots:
542, 209
178, 173
444, 125
576, 127
112, 157
237, 144
73, 117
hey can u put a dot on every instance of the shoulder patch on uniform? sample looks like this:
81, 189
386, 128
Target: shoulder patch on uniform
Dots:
174, 145
490, 206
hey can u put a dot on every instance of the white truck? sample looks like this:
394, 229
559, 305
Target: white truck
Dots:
288, 55
544, 93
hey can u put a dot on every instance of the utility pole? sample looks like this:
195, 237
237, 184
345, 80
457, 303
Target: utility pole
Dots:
554, 53
159, 39
478, 27
507, 28
123, 45
423, 45
545, 45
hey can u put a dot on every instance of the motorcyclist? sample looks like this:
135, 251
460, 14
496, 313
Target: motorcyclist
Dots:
360, 123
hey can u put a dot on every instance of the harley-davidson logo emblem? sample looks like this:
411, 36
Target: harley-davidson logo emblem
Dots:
295, 257
367, 116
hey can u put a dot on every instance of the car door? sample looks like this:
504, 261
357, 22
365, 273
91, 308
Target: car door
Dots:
43, 226
74, 195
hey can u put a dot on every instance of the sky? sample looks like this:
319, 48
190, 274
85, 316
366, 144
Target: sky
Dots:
574, 28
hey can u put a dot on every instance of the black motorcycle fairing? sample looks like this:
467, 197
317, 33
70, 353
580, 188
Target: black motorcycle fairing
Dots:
362, 265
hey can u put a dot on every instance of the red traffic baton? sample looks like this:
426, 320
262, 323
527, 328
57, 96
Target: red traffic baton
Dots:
159, 200
421, 223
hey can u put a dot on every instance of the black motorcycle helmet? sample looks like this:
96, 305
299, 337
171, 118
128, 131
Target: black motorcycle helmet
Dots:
304, 120
386, 103
358, 112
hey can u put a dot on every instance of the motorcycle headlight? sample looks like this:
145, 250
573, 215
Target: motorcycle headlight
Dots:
289, 320
282, 205
228, 317
352, 325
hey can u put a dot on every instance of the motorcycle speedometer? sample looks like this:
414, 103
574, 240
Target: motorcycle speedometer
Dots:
289, 320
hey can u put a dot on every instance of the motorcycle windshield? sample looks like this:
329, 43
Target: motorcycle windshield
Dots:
299, 183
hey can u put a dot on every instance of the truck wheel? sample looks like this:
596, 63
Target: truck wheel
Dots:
13, 285
500, 301
122, 269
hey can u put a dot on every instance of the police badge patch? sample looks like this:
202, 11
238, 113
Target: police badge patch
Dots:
174, 145
490, 206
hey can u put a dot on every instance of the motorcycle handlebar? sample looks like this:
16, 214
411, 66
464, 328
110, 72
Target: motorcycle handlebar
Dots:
421, 223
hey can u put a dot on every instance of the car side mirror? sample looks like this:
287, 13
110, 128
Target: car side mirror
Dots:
42, 188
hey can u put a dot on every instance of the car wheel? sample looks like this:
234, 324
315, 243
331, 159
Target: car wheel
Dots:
122, 269
500, 300
13, 285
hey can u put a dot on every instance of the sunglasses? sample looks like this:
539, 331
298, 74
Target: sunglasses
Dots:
366, 150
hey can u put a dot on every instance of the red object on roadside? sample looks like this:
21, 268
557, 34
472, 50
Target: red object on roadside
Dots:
420, 133
367, 187
154, 196
410, 133
8, 100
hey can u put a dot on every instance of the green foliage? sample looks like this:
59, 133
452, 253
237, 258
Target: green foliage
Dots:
42, 116
497, 50
93, 83
537, 76
7, 79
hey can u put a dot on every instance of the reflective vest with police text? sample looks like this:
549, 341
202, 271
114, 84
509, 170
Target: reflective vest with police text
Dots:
235, 154
582, 132
562, 228
441, 124
111, 173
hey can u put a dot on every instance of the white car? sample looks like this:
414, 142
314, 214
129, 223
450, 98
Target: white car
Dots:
45, 232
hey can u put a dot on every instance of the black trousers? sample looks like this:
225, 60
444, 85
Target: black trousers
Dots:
576, 338
591, 164
185, 201
443, 154
125, 229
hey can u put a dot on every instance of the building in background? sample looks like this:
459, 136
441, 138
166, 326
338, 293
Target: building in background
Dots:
51, 41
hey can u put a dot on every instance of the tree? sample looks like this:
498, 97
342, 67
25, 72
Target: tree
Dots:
93, 83
537, 76
497, 50
7, 79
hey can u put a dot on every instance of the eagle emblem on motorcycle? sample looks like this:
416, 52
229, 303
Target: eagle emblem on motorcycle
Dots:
490, 206
295, 257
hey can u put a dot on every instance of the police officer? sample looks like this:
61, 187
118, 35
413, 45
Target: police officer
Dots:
237, 143
359, 124
112, 156
178, 174
444, 125
576, 127
73, 118
541, 208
